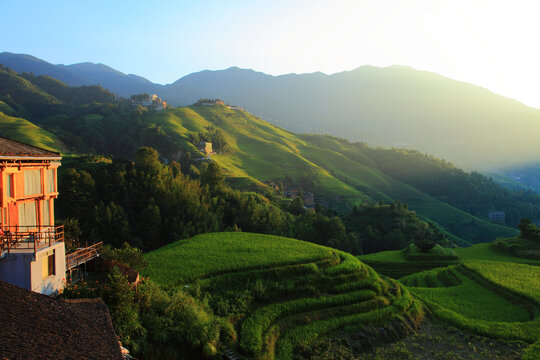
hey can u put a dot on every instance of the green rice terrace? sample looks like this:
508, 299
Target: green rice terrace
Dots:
400, 263
280, 293
477, 289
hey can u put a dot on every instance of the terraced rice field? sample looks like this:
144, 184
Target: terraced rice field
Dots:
216, 253
494, 299
396, 265
300, 292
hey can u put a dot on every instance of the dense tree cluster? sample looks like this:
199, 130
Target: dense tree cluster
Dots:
154, 323
149, 204
529, 230
381, 227
214, 136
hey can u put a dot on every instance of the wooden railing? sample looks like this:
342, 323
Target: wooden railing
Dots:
29, 237
83, 255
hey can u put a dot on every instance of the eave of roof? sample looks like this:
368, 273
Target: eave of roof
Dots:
11, 149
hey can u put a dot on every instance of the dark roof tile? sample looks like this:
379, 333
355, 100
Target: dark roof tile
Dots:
10, 147
36, 326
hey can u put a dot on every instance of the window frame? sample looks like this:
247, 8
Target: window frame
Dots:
10, 185
48, 264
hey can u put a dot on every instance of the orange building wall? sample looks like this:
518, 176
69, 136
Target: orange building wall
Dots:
9, 205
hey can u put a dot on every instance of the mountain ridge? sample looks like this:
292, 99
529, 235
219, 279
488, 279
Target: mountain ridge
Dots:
395, 106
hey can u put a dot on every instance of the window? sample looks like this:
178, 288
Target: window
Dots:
27, 215
48, 264
32, 182
9, 185
46, 213
50, 184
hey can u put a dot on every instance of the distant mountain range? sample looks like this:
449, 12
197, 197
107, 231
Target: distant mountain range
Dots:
393, 106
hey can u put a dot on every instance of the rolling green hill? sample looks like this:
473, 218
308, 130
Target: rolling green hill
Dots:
340, 176
282, 292
23, 130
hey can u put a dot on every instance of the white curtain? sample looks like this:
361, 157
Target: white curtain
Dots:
32, 182
49, 180
27, 215
46, 213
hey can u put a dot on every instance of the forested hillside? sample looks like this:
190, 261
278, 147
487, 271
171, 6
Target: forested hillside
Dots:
256, 155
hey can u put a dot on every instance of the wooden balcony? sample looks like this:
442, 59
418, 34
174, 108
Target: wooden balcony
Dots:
82, 255
29, 237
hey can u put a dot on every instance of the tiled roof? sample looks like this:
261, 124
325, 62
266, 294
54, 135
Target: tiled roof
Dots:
10, 147
36, 326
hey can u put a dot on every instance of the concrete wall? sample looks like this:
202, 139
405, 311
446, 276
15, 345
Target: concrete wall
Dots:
21, 269
53, 283
15, 268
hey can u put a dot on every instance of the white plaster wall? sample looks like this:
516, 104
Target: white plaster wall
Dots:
53, 283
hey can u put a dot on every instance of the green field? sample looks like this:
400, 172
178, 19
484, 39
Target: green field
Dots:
495, 299
24, 131
484, 291
217, 253
465, 297
396, 265
281, 292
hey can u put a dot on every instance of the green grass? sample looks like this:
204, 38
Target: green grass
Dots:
24, 131
484, 251
522, 278
6, 109
217, 253
495, 299
496, 293
472, 301
395, 263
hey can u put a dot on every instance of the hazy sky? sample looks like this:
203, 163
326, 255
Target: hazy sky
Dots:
494, 44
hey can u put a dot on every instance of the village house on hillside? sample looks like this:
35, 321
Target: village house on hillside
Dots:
307, 197
150, 101
205, 147
498, 217
32, 250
